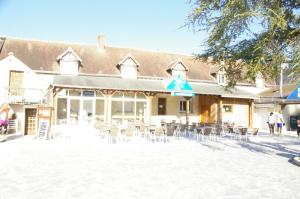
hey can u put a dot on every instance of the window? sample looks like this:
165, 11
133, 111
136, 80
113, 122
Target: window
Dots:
181, 73
141, 110
128, 71
88, 93
259, 80
69, 67
221, 78
75, 92
162, 106
182, 106
99, 112
227, 108
61, 111
128, 67
15, 83
69, 62
117, 108
178, 69
128, 106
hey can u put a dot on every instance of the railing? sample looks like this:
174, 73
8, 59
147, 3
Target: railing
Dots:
25, 96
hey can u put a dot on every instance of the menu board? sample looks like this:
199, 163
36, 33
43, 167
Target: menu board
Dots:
43, 129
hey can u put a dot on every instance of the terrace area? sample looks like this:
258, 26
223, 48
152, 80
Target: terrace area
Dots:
182, 167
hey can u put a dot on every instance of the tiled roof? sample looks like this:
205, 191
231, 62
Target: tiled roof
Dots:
42, 55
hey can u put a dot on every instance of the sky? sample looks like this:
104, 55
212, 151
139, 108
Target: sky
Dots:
154, 25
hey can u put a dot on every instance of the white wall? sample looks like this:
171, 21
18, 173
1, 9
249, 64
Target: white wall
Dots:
69, 67
239, 115
129, 69
31, 79
20, 111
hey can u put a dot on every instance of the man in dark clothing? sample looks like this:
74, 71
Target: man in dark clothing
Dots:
298, 127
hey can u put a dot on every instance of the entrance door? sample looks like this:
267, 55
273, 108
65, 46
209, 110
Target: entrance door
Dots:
30, 121
161, 106
74, 111
87, 111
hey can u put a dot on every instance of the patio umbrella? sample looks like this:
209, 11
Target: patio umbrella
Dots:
180, 87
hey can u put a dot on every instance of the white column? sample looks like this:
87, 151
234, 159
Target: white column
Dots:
108, 108
149, 109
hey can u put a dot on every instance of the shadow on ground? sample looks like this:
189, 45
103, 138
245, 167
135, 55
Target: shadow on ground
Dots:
280, 148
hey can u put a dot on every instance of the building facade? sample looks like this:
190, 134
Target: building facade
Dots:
90, 84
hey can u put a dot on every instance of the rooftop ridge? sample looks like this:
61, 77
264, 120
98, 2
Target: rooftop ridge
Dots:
95, 45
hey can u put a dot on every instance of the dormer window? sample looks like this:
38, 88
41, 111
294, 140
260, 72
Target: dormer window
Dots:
128, 67
221, 75
259, 81
178, 69
69, 62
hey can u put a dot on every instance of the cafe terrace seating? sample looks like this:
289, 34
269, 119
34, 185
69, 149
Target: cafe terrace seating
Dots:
167, 132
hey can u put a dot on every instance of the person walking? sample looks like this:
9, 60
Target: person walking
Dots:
279, 121
271, 123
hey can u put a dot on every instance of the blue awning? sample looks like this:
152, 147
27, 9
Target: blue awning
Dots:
295, 95
180, 87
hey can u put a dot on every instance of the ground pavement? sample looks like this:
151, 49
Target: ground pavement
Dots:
91, 168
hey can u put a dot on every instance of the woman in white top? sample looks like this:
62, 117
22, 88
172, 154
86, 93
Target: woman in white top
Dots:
271, 123
279, 122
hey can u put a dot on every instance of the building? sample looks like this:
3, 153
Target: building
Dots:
271, 101
88, 84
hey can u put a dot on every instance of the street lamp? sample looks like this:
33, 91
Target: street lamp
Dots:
282, 66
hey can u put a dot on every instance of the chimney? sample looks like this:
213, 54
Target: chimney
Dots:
101, 41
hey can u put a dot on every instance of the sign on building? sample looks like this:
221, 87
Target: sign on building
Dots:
44, 115
295, 95
180, 87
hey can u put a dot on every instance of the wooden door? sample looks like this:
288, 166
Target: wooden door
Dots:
30, 121
161, 106
205, 113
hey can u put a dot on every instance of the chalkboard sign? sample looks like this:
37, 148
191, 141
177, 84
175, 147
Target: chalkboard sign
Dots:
43, 129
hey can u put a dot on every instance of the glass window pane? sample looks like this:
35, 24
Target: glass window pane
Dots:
140, 96
87, 111
191, 106
99, 111
88, 93
116, 108
63, 93
99, 94
182, 106
141, 110
129, 108
75, 92
74, 111
118, 94
61, 111
99, 107
129, 95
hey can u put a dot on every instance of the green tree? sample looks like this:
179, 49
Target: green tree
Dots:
251, 36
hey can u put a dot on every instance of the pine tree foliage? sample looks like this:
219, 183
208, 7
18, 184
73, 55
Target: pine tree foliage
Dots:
251, 36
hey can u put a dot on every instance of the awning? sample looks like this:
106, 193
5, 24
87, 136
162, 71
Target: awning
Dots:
150, 85
295, 95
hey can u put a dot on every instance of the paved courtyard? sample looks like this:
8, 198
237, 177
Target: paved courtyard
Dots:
91, 168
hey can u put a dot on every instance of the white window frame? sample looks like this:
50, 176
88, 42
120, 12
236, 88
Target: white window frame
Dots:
221, 77
181, 105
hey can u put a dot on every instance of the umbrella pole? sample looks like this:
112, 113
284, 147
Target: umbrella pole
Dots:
187, 99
